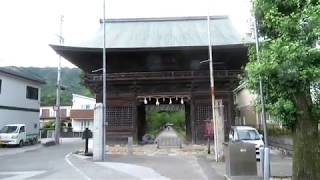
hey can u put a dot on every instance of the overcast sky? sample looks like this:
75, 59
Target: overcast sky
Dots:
28, 26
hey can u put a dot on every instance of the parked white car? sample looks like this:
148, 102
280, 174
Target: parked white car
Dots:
248, 135
17, 134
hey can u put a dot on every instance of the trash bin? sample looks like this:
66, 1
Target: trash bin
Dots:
240, 159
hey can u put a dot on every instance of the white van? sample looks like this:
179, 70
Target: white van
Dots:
18, 134
248, 135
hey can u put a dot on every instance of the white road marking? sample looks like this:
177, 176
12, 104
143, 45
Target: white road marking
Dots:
20, 175
172, 154
81, 156
66, 158
155, 152
141, 172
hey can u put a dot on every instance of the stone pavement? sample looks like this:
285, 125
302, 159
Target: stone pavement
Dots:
152, 150
148, 162
182, 167
280, 166
189, 161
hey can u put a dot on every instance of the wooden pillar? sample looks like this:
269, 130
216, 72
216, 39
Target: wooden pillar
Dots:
135, 124
141, 121
192, 121
188, 122
99, 97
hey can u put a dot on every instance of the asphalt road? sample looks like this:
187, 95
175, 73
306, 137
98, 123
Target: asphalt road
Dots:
54, 162
39, 163
57, 162
174, 167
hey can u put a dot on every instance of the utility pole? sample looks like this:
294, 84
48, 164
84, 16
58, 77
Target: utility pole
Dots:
57, 108
104, 83
266, 160
215, 129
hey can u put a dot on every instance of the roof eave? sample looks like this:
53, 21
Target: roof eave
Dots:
95, 49
41, 82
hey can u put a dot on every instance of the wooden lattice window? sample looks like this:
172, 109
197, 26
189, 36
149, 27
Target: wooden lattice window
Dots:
120, 116
203, 112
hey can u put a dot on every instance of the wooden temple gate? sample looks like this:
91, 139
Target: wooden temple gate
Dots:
161, 58
126, 93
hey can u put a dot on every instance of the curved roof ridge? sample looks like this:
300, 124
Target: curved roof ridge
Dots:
167, 32
155, 19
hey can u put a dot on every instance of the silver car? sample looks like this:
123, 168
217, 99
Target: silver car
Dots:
247, 134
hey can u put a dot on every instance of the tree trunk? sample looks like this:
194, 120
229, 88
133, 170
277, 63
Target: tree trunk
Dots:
306, 161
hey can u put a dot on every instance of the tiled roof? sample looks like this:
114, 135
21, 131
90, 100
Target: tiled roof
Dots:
81, 114
19, 72
163, 32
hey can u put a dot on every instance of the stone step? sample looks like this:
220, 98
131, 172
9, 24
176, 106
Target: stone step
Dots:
169, 142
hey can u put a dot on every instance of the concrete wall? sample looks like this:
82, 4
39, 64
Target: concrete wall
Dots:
248, 116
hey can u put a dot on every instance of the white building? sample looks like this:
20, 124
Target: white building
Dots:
48, 114
246, 113
81, 113
245, 110
19, 97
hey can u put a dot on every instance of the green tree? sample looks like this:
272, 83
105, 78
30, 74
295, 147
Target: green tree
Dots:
290, 71
157, 119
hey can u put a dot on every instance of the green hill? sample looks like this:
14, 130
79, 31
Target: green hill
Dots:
70, 78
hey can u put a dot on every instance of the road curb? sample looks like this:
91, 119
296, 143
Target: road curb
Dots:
48, 142
18, 151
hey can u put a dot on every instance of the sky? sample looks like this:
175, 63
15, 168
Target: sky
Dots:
27, 27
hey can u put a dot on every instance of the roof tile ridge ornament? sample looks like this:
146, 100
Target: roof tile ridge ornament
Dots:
158, 19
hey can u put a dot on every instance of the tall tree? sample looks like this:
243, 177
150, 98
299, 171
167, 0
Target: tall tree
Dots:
290, 71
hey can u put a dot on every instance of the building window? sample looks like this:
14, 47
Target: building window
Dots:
32, 93
84, 124
45, 113
85, 106
63, 113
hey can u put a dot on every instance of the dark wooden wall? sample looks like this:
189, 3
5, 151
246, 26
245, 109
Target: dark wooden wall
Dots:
165, 72
126, 115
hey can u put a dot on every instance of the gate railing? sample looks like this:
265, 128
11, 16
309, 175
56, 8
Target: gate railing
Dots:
164, 75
